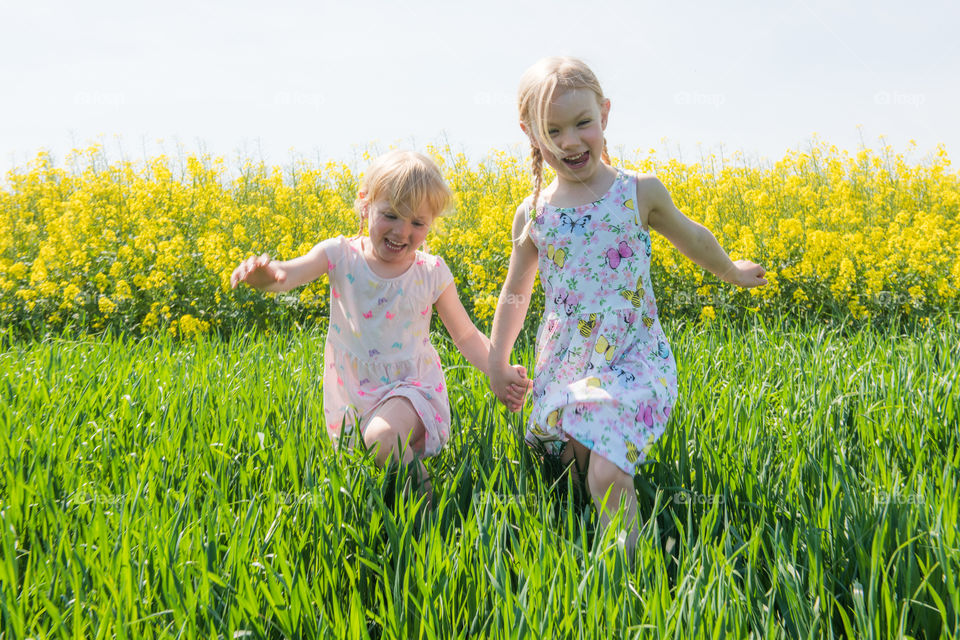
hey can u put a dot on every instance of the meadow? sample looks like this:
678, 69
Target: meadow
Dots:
806, 487
164, 469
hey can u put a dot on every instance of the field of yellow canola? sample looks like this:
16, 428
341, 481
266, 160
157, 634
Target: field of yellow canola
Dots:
150, 246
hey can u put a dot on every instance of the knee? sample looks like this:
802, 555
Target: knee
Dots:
602, 475
393, 427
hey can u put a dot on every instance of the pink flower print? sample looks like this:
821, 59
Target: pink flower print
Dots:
368, 315
330, 266
421, 261
439, 388
438, 418
391, 316
336, 294
339, 381
425, 311
360, 393
417, 383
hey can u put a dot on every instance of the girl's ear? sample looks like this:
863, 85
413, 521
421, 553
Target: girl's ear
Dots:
604, 112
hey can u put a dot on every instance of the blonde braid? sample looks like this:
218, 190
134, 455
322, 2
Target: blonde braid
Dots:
537, 163
605, 156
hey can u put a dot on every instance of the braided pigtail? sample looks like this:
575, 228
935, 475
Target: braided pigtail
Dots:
537, 164
605, 156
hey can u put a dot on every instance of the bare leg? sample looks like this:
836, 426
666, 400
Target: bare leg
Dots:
603, 476
396, 421
576, 458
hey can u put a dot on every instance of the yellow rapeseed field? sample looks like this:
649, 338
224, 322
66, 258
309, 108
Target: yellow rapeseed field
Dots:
150, 246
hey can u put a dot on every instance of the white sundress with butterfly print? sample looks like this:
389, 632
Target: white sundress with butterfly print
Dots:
378, 341
605, 374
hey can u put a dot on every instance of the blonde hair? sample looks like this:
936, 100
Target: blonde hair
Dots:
538, 85
405, 179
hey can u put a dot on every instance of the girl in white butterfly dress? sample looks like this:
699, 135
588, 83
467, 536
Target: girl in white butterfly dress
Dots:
605, 379
380, 370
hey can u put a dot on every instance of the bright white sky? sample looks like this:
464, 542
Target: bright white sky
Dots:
278, 80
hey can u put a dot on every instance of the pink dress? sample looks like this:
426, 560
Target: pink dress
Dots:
605, 374
378, 342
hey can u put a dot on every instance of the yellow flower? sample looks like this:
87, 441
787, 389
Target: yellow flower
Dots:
106, 305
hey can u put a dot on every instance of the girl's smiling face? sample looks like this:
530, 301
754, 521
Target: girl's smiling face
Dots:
575, 123
395, 238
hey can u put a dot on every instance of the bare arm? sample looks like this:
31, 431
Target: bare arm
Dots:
260, 272
513, 304
693, 239
475, 346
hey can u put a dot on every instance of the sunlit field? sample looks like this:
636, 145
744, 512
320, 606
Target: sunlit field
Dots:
165, 471
807, 487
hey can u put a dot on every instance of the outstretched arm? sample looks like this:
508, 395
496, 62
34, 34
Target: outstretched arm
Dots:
693, 239
512, 306
260, 272
475, 346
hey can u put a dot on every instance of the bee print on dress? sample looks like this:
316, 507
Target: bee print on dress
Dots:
636, 296
633, 453
586, 327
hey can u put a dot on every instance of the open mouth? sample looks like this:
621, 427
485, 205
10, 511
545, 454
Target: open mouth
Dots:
577, 161
393, 246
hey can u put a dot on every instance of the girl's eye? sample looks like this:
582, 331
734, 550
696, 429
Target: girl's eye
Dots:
583, 123
553, 132
390, 216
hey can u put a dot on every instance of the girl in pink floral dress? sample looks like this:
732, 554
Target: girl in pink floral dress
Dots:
381, 373
605, 379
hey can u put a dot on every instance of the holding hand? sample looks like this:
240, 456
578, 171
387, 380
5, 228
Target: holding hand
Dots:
510, 385
259, 272
746, 274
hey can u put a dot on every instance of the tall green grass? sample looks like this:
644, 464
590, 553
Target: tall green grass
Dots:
807, 486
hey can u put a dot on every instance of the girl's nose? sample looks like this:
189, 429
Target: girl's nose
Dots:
567, 139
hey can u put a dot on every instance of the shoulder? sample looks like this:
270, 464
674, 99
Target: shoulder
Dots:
522, 222
430, 262
652, 195
650, 189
